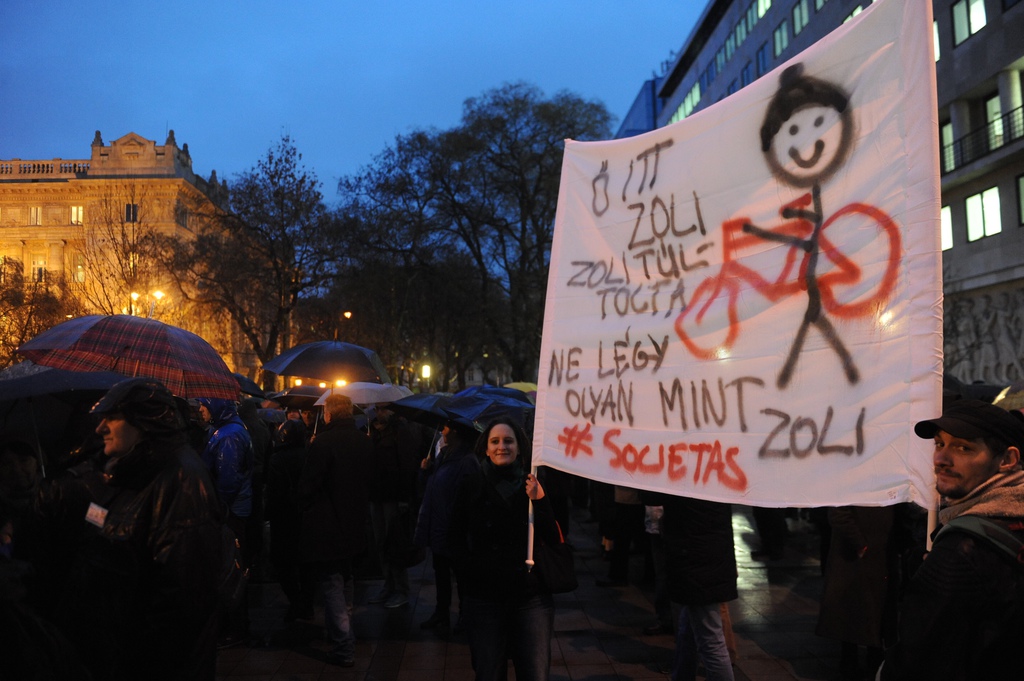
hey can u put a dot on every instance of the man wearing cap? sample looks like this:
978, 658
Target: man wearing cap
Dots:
963, 613
143, 543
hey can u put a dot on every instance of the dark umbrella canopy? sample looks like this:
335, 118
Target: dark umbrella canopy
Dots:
425, 408
47, 408
247, 385
32, 380
135, 346
330, 361
300, 396
477, 405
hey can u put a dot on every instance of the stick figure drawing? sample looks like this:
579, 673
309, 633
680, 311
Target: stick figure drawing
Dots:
806, 137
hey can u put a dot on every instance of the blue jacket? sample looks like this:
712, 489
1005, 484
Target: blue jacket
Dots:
451, 468
229, 456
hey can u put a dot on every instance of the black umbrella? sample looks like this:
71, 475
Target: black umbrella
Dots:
48, 407
30, 380
300, 396
425, 408
247, 385
477, 405
330, 361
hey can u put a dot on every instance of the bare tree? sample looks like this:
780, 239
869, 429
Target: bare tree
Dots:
28, 308
255, 261
486, 189
118, 251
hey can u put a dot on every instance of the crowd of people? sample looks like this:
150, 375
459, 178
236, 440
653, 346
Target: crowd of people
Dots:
130, 561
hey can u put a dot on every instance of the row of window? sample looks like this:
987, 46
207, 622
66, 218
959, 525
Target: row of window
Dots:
968, 18
983, 215
801, 17
77, 214
37, 271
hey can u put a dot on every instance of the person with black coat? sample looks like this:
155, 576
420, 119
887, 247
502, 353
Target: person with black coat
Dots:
140, 590
510, 612
699, 552
334, 495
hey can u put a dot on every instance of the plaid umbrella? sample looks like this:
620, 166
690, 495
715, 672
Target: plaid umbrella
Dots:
330, 361
135, 346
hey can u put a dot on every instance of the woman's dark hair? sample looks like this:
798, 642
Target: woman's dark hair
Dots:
522, 441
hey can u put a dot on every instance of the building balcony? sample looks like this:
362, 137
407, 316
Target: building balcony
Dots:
16, 169
979, 143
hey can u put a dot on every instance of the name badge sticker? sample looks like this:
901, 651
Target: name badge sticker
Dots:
96, 515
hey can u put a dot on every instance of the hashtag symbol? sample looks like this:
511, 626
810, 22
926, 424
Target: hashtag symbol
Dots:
575, 440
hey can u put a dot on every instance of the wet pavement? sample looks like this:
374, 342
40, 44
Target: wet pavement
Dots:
598, 631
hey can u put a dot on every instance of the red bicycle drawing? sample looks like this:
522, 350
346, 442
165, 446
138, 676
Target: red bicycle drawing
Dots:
813, 118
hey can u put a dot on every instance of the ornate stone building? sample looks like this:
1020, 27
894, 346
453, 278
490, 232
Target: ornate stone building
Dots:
86, 221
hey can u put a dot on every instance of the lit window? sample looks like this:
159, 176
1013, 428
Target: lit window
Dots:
994, 120
38, 273
818, 4
935, 38
131, 212
801, 16
689, 104
35, 215
781, 37
968, 19
856, 10
983, 214
740, 32
946, 228
77, 213
78, 272
763, 60
948, 158
762, 7
730, 46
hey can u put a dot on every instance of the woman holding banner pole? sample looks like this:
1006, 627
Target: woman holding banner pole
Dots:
510, 613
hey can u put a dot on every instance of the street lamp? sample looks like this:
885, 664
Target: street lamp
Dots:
157, 297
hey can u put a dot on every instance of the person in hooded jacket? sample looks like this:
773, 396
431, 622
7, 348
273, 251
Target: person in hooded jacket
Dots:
230, 459
142, 541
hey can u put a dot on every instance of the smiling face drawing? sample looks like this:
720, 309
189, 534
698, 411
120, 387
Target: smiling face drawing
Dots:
808, 129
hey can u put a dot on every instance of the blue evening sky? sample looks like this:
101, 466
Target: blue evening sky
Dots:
342, 77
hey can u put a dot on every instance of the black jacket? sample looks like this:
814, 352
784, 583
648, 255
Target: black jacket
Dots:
488, 537
140, 592
698, 541
962, 616
334, 493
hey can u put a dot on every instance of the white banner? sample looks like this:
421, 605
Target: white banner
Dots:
746, 306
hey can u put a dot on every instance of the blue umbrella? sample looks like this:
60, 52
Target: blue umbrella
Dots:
477, 405
425, 408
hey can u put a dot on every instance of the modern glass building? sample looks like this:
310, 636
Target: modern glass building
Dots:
979, 56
